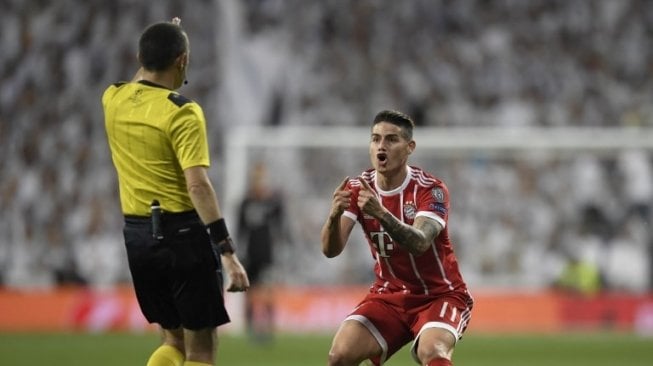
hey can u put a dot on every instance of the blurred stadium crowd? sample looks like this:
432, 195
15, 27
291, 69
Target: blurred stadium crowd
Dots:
515, 222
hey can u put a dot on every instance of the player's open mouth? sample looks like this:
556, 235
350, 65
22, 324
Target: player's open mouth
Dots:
382, 157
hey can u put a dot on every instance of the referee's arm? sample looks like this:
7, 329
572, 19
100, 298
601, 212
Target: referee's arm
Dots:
206, 204
202, 194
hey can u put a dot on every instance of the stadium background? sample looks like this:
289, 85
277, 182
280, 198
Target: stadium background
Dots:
283, 73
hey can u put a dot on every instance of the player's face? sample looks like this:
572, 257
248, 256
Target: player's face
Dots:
389, 149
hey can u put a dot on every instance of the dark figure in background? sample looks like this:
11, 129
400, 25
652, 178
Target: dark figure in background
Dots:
261, 226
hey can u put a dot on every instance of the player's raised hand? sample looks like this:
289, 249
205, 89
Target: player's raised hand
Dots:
176, 21
341, 198
367, 200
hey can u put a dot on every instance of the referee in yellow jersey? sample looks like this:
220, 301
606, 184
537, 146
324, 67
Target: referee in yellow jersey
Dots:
176, 239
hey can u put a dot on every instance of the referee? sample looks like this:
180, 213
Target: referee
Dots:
176, 239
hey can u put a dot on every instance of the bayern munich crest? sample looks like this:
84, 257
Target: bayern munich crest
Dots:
410, 210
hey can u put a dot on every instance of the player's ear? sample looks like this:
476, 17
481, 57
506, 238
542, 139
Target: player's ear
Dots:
411, 146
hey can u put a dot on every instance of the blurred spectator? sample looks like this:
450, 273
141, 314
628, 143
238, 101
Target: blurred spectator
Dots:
634, 167
626, 263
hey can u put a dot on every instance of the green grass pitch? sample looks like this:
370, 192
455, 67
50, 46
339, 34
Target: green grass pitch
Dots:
577, 349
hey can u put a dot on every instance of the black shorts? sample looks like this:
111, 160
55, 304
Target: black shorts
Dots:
177, 280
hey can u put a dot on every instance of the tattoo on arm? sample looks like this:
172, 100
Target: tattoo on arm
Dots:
417, 238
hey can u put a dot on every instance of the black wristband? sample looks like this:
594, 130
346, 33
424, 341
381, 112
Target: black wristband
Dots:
220, 236
226, 246
218, 231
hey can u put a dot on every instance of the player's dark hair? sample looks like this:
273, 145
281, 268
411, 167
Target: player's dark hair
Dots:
160, 44
397, 118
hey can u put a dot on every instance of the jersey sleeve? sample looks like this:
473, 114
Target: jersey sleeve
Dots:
353, 212
188, 136
433, 202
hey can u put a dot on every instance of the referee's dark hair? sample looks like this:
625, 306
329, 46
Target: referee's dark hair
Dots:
160, 44
398, 119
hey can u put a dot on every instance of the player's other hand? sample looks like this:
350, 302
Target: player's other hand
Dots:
367, 200
341, 198
176, 21
238, 280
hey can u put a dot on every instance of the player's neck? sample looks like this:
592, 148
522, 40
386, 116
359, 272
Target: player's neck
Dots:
390, 180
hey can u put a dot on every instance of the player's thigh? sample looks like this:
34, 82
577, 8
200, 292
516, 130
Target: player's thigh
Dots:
354, 342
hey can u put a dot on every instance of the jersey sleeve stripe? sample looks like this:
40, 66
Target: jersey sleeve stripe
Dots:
425, 182
350, 215
432, 216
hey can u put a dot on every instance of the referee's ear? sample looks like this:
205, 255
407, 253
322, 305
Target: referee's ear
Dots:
181, 62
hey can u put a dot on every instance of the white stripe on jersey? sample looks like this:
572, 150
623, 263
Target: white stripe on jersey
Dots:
350, 215
419, 277
422, 179
432, 216
442, 272
387, 263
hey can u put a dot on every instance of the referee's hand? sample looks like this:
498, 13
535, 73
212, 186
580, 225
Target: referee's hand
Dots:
238, 280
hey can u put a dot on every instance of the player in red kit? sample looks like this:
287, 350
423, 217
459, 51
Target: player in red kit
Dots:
419, 294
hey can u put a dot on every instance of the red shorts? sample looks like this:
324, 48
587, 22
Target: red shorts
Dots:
396, 319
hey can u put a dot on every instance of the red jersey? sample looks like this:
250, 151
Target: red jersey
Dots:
433, 272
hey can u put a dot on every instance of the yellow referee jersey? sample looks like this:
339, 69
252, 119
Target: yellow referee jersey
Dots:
154, 134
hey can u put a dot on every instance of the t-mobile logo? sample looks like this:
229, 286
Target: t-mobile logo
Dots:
382, 242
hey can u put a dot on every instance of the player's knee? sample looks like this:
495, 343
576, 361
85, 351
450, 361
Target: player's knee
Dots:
341, 357
433, 350
337, 358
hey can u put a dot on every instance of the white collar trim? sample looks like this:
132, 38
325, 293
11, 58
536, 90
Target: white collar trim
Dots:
397, 190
